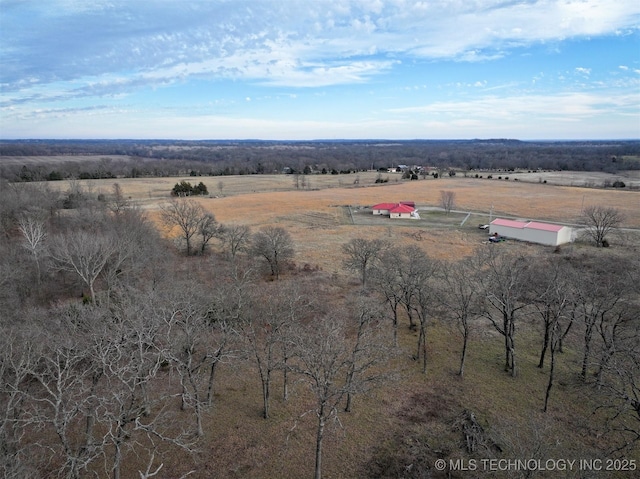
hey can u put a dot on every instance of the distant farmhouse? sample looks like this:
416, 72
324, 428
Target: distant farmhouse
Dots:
532, 231
404, 209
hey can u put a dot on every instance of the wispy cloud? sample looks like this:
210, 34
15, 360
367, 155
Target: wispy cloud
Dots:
67, 54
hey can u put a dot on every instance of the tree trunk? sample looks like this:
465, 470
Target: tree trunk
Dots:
512, 348
424, 346
507, 362
395, 326
587, 353
319, 437
93, 293
266, 380
545, 343
117, 458
465, 339
285, 378
551, 372
212, 374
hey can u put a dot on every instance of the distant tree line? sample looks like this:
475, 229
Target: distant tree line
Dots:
206, 158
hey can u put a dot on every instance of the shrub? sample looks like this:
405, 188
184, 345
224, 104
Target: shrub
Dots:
184, 188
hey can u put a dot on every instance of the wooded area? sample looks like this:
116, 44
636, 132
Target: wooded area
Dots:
140, 158
119, 346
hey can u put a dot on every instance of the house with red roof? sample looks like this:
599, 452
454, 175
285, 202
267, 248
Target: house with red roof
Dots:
383, 208
404, 209
401, 211
532, 231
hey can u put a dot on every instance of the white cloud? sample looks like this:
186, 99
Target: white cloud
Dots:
156, 36
113, 49
575, 106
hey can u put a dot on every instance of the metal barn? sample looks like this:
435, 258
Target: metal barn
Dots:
532, 231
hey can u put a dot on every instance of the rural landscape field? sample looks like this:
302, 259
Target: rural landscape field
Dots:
340, 239
320, 217
416, 410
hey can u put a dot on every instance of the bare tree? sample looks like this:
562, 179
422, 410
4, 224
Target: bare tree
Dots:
83, 253
504, 287
208, 229
136, 245
361, 254
228, 308
598, 290
600, 221
325, 359
369, 349
552, 298
459, 293
33, 228
447, 200
420, 294
621, 396
118, 203
235, 238
187, 336
18, 355
387, 282
275, 246
268, 331
187, 216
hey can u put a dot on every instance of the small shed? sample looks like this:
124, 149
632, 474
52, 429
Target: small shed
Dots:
532, 231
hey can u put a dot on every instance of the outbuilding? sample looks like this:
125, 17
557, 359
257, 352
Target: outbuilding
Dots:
532, 231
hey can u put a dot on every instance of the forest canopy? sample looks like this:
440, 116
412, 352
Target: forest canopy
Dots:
136, 158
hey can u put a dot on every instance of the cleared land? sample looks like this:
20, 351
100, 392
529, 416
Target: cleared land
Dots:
332, 210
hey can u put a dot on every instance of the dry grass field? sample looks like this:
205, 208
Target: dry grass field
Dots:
320, 222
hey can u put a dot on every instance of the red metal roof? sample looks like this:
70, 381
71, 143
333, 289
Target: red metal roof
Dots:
384, 206
401, 209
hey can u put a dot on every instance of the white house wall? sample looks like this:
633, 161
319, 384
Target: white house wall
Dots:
380, 212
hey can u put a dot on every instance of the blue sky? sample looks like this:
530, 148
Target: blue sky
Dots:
320, 69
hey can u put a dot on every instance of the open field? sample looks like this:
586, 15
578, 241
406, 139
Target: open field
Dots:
320, 222
513, 199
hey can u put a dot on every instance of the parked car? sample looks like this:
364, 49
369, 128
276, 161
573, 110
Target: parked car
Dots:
483, 227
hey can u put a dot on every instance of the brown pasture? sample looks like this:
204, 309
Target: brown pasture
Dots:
319, 221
